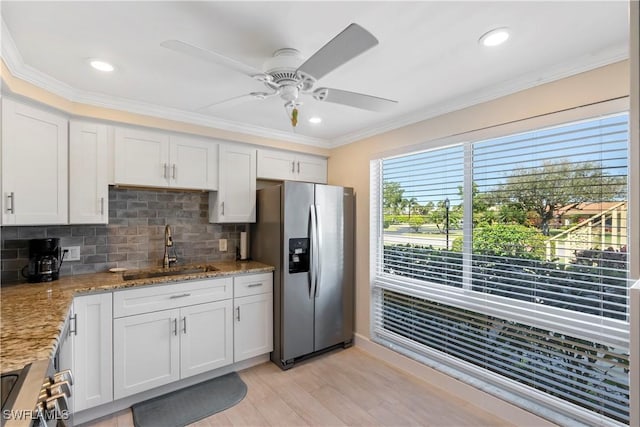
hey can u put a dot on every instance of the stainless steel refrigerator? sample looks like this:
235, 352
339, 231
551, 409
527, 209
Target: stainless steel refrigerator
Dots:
306, 231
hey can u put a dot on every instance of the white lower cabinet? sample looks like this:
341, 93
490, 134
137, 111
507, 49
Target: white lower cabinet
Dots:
165, 333
90, 333
206, 340
159, 347
146, 352
253, 316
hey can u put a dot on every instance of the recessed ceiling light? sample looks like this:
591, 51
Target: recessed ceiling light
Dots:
101, 65
494, 37
315, 120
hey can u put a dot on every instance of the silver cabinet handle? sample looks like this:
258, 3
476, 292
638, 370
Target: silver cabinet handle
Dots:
101, 205
74, 330
12, 197
184, 324
175, 326
179, 296
238, 313
298, 167
222, 208
254, 285
164, 170
174, 171
293, 167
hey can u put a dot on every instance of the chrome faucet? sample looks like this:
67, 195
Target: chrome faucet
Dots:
167, 260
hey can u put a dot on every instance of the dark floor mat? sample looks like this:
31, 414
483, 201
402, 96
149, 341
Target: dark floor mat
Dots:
190, 404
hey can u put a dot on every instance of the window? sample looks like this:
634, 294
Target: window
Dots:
510, 254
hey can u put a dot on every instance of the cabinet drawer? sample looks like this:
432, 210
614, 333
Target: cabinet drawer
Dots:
252, 284
153, 298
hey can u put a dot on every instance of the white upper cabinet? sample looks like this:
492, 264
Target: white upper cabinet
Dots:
34, 166
88, 175
235, 200
287, 166
156, 159
194, 163
141, 157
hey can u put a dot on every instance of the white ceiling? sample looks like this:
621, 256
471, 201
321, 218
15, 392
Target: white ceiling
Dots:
428, 58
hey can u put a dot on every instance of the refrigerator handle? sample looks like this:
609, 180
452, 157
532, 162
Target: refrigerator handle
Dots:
312, 255
318, 260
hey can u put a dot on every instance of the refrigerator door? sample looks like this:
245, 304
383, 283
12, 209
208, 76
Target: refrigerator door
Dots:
297, 300
335, 278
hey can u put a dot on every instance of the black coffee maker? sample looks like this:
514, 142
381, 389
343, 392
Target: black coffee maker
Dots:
44, 260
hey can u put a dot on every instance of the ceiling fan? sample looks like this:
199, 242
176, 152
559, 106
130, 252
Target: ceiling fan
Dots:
288, 75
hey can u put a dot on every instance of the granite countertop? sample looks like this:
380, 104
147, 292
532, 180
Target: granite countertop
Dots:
34, 314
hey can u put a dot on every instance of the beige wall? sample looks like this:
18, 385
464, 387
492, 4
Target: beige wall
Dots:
349, 164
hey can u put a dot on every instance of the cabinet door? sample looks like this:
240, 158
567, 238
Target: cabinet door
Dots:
206, 340
88, 180
145, 352
194, 163
253, 326
311, 169
34, 166
235, 200
141, 158
278, 165
93, 371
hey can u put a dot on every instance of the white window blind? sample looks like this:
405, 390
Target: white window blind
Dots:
510, 256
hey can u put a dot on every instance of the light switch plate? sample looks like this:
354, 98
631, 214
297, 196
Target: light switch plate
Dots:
222, 245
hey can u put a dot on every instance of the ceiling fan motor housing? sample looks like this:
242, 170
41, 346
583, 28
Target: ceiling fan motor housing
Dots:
283, 65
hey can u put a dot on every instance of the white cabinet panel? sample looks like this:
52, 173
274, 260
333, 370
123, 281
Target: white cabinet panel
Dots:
34, 166
92, 344
206, 340
253, 315
146, 352
157, 159
235, 200
88, 174
311, 169
253, 326
194, 163
284, 165
279, 165
141, 158
162, 297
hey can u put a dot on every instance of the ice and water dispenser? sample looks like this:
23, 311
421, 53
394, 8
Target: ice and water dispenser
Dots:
299, 255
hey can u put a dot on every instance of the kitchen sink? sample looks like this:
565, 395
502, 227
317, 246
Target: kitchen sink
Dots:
173, 271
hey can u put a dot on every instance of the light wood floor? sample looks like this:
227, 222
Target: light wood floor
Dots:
345, 387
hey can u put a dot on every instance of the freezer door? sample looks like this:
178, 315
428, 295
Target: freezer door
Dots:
297, 300
334, 291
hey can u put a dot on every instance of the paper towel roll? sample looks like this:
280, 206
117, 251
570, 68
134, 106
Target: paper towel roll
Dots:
243, 245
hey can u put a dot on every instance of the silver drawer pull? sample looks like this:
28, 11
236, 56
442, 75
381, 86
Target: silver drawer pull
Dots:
254, 285
179, 296
11, 196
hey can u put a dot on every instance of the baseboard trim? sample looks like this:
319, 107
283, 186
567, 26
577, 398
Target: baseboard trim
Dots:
510, 413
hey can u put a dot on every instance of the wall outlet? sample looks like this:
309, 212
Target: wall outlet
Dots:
73, 253
222, 245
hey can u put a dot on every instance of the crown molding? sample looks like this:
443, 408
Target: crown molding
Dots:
527, 81
15, 63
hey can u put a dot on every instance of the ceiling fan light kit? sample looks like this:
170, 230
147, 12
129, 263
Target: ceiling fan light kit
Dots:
288, 75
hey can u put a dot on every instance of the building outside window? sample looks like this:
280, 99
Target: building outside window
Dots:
503, 261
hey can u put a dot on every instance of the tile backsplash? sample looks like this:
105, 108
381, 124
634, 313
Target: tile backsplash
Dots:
134, 237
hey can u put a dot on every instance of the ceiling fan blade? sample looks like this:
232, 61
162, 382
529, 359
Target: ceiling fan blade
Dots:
351, 42
211, 56
236, 100
353, 99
